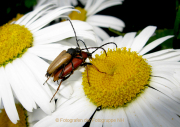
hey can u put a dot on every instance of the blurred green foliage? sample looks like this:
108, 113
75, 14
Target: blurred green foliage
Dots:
30, 3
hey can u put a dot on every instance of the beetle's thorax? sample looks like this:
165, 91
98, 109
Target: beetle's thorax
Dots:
73, 51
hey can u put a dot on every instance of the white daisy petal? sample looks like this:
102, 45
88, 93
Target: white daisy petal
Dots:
78, 25
176, 92
142, 38
163, 81
177, 74
157, 53
118, 41
153, 44
107, 118
34, 87
62, 31
173, 58
33, 13
165, 106
39, 75
7, 97
164, 90
135, 121
161, 98
51, 15
42, 66
111, 46
78, 88
36, 115
71, 42
103, 6
165, 75
21, 19
48, 51
165, 63
126, 40
65, 88
151, 112
130, 119
141, 115
60, 101
165, 56
121, 118
18, 88
101, 33
82, 105
88, 4
33, 19
170, 69
106, 21
96, 4
115, 118
0, 101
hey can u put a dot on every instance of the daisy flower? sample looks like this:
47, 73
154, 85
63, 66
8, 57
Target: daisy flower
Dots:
22, 71
88, 14
137, 88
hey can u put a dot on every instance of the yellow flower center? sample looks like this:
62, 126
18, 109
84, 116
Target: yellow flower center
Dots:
126, 75
78, 16
14, 41
6, 122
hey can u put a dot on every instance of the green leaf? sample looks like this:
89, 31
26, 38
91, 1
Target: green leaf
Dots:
30, 3
177, 20
162, 33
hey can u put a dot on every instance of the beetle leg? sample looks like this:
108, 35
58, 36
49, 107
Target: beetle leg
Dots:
72, 67
84, 64
56, 90
60, 84
87, 74
62, 71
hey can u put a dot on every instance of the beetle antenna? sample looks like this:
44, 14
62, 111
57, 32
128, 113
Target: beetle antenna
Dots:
76, 35
104, 45
97, 49
74, 31
84, 44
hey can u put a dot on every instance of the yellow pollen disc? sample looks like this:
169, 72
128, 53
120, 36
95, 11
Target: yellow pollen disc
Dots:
78, 16
6, 122
14, 41
126, 75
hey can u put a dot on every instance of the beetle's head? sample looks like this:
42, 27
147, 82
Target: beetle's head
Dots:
78, 50
89, 55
